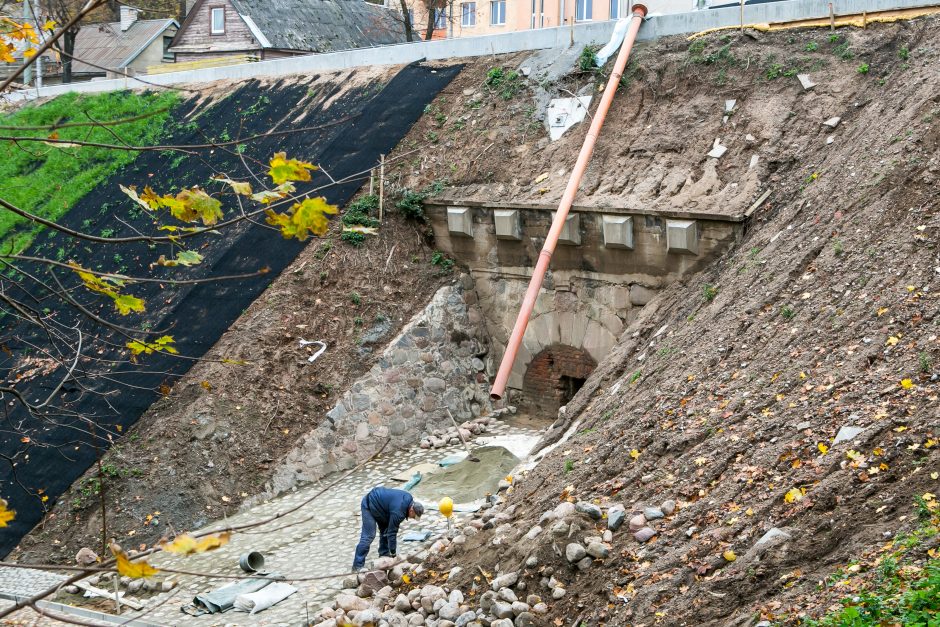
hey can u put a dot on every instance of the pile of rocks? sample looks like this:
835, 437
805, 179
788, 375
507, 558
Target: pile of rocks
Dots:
641, 518
429, 605
439, 438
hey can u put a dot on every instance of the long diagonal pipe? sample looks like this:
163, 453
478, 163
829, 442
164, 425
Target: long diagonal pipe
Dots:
584, 157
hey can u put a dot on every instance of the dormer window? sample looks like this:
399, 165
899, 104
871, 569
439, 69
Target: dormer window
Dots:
218, 21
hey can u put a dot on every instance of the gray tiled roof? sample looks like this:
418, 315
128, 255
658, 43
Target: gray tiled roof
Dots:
105, 45
323, 25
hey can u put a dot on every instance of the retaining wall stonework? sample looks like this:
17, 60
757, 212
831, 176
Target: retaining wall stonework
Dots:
435, 362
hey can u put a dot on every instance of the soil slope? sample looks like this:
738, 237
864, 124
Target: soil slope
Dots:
728, 392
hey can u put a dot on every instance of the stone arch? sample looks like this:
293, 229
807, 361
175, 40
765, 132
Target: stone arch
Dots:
554, 376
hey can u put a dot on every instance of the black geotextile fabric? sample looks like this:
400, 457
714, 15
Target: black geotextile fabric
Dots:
362, 124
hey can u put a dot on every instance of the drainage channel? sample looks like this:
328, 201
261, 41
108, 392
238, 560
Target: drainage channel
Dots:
319, 539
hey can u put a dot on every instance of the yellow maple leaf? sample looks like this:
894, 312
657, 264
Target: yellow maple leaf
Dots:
882, 311
854, 456
749, 512
930, 443
185, 544
127, 568
911, 288
284, 169
6, 515
793, 495
822, 448
303, 218
729, 555
907, 384
405, 579
700, 461
935, 475
891, 341
635, 454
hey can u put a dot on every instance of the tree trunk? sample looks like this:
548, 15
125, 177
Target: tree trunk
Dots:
409, 27
432, 15
68, 49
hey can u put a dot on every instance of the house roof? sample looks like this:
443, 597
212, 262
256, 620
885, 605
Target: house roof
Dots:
320, 25
106, 45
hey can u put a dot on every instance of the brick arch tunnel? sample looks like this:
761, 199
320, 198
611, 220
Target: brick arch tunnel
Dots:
554, 376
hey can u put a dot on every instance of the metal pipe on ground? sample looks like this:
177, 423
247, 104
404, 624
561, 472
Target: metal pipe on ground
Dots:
584, 157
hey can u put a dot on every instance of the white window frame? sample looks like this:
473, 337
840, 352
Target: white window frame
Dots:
468, 14
584, 10
497, 12
212, 13
615, 9
440, 19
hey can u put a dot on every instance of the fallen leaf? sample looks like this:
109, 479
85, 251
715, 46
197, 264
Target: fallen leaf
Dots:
729, 555
793, 495
822, 448
907, 384
185, 544
635, 454
540, 178
127, 568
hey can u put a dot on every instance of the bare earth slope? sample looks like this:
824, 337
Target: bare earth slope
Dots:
728, 393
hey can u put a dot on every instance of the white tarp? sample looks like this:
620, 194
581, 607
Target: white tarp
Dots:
254, 602
620, 31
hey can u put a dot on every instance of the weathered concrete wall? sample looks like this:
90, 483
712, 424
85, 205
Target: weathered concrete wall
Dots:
433, 363
591, 290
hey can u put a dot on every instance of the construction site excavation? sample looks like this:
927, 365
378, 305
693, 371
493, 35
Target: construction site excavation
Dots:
636, 322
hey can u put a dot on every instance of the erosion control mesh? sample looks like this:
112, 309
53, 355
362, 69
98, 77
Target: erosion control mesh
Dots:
366, 122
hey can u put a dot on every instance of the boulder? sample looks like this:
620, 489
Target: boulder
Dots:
505, 581
501, 609
507, 595
597, 550
574, 552
589, 509
449, 611
351, 603
615, 517
525, 619
644, 534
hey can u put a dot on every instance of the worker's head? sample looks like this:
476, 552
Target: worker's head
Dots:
415, 510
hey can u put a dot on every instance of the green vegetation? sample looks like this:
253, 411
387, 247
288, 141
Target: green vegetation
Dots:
904, 588
504, 82
48, 181
904, 53
353, 238
445, 263
569, 465
709, 292
357, 214
355, 298
812, 46
787, 312
586, 60
863, 68
411, 203
924, 360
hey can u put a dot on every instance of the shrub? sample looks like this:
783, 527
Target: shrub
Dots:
353, 238
709, 292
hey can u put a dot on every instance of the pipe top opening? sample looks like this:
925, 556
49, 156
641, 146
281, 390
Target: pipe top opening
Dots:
641, 9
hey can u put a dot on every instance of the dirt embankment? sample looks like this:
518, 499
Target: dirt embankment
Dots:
728, 393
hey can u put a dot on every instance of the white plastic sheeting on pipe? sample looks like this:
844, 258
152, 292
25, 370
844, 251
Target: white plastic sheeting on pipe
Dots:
620, 31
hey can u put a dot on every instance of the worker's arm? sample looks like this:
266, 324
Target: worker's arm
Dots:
392, 533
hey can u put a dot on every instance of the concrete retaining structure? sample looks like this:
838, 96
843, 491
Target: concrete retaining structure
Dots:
593, 289
655, 26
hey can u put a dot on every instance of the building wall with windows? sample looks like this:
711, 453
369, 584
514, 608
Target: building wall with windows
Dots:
468, 18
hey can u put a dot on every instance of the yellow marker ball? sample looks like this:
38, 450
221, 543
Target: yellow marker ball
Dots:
446, 507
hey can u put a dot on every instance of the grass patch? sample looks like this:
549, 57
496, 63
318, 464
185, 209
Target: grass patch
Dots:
48, 181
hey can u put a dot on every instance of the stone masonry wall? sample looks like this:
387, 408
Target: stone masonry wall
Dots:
435, 362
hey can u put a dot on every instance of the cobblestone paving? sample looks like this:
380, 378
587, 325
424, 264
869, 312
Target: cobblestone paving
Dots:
25, 582
320, 541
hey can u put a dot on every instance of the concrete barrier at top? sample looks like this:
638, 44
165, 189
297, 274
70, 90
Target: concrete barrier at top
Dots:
655, 26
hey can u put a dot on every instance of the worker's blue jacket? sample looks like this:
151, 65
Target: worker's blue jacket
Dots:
389, 507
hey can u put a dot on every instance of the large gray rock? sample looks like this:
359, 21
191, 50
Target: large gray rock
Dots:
502, 622
507, 595
367, 618
449, 611
402, 604
465, 619
455, 596
505, 581
574, 552
519, 607
615, 517
501, 609
597, 550
590, 509
351, 603
525, 619
644, 534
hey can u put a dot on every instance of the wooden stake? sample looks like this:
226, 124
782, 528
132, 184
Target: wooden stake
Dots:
371, 180
381, 186
832, 18
864, 19
742, 17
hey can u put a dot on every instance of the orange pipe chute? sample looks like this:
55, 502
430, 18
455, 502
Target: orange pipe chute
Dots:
584, 157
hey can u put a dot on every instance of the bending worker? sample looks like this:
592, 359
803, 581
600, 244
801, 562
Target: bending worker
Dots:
384, 508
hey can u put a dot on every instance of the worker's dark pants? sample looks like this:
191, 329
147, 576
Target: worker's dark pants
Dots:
369, 525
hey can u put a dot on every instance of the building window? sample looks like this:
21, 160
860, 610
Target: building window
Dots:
615, 9
440, 18
218, 21
498, 12
167, 55
468, 14
583, 11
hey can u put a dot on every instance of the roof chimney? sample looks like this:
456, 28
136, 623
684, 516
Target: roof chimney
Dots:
128, 17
